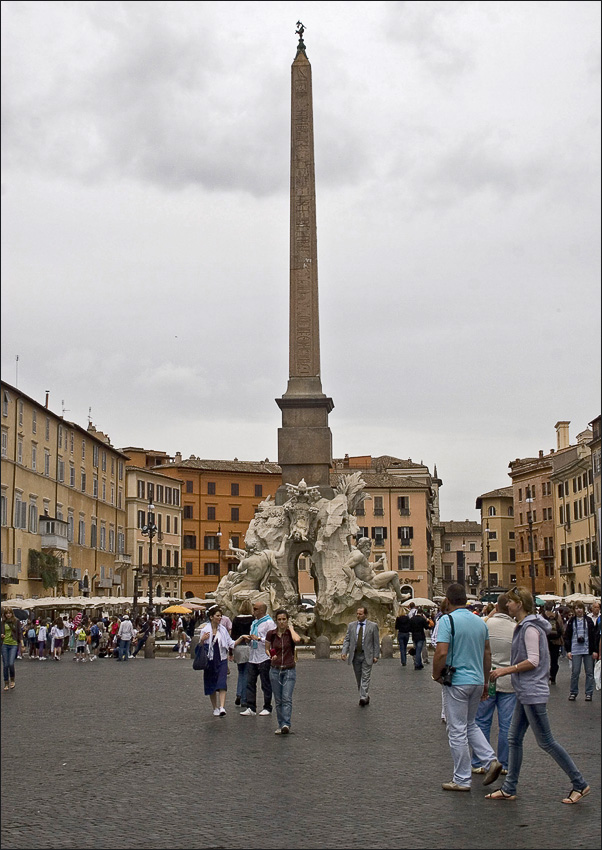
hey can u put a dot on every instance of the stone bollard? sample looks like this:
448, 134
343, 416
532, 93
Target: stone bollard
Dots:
322, 647
149, 647
386, 647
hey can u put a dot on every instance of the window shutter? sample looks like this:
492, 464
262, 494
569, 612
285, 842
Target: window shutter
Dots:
373, 533
384, 533
411, 527
399, 532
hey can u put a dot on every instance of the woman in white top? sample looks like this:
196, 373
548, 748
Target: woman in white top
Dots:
216, 672
57, 633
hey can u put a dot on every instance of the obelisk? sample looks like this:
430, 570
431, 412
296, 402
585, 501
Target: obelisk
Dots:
305, 440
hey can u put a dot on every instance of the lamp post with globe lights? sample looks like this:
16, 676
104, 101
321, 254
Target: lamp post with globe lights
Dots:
149, 530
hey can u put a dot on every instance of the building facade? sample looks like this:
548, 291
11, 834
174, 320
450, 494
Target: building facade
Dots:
575, 518
399, 517
461, 555
498, 539
219, 499
597, 480
63, 514
146, 486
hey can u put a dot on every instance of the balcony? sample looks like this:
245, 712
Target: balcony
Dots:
104, 582
124, 559
379, 512
116, 579
404, 512
54, 534
564, 570
10, 573
69, 574
545, 553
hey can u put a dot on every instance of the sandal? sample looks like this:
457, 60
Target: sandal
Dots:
6, 686
572, 697
571, 800
501, 795
12, 685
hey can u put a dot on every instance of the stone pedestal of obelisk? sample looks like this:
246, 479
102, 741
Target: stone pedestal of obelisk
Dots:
305, 440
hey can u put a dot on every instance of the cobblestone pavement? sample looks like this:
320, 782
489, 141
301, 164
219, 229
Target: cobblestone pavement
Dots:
130, 756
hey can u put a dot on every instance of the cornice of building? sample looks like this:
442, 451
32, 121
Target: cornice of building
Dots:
242, 466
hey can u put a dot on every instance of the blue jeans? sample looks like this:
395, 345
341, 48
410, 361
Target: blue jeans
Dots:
418, 644
283, 685
403, 638
9, 653
124, 649
461, 704
536, 716
241, 684
505, 706
588, 664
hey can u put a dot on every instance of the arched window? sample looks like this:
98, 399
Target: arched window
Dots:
510, 511
492, 511
578, 589
572, 587
522, 546
159, 591
407, 588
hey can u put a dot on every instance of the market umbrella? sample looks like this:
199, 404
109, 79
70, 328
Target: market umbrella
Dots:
176, 609
421, 602
586, 598
194, 600
549, 597
192, 606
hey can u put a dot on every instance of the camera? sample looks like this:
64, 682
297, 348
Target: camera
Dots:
447, 674
580, 639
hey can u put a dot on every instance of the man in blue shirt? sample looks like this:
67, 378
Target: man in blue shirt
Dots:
466, 648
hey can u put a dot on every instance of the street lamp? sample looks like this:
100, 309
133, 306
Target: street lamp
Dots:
219, 551
529, 502
487, 532
150, 529
135, 572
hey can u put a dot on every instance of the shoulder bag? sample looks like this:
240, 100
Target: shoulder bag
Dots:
200, 659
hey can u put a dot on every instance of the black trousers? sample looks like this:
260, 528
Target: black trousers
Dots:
554, 653
262, 671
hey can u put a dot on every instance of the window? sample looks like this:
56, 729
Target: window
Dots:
189, 541
492, 511
234, 488
211, 569
4, 509
120, 542
95, 486
4, 443
167, 524
168, 558
104, 461
141, 519
188, 512
235, 541
20, 512
81, 533
472, 547
34, 422
259, 491
95, 457
20, 451
210, 512
33, 518
447, 572
447, 547
93, 533
159, 492
210, 488
150, 491
34, 456
70, 526
112, 540
188, 568
120, 470
175, 525
83, 482
493, 556
21, 414
406, 562
5, 401
403, 505
378, 506
189, 487
405, 534
159, 557
234, 514
510, 511
211, 541
513, 554
493, 580
141, 486
511, 535
83, 449
520, 494
379, 535
103, 538
176, 559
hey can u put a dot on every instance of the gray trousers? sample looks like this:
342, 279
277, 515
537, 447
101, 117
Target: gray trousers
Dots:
363, 671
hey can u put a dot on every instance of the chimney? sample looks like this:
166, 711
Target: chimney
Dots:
562, 434
178, 459
541, 453
47, 397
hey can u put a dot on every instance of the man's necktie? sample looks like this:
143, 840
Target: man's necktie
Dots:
360, 639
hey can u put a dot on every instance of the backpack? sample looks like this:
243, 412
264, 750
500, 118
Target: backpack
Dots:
94, 631
555, 633
81, 634
31, 633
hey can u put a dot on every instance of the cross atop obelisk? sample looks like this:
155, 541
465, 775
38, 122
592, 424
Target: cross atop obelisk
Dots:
304, 441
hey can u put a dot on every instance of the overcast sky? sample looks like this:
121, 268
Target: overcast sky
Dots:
145, 223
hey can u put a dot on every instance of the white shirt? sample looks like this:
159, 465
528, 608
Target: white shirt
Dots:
222, 638
258, 653
43, 633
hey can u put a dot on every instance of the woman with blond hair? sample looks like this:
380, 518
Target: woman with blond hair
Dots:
530, 664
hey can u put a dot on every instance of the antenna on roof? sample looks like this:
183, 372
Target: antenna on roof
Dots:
89, 416
16, 370
65, 409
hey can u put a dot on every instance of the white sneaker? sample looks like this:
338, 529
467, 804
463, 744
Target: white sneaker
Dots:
264, 712
216, 712
248, 712
222, 712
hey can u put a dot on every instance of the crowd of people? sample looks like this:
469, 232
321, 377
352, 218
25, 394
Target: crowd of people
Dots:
501, 657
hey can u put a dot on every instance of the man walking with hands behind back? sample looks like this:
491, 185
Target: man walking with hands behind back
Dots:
361, 648
467, 650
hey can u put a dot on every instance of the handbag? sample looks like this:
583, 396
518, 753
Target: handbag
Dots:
201, 658
241, 654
